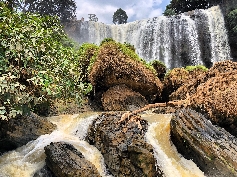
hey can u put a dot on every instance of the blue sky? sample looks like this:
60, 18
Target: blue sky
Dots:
136, 10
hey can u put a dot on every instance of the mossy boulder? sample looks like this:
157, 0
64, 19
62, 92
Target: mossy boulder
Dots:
116, 64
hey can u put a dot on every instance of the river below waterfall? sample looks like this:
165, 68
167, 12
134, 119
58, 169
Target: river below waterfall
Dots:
28, 159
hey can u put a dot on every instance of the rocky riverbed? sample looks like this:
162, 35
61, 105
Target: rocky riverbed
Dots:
203, 124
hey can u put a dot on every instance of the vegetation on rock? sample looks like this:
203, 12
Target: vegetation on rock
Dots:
116, 64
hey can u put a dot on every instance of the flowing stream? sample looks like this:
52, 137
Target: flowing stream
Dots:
28, 159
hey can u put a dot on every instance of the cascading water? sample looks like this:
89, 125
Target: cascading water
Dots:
27, 160
168, 159
197, 37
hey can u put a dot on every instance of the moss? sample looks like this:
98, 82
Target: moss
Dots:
198, 67
106, 40
127, 49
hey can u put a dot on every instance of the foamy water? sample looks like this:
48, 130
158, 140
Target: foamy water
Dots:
28, 159
169, 160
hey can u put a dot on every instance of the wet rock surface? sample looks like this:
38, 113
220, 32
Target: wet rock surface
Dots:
44, 172
123, 146
65, 161
212, 148
19, 131
121, 98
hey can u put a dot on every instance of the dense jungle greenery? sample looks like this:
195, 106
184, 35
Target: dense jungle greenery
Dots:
37, 64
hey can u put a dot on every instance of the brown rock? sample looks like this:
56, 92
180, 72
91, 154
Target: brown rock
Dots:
19, 131
121, 98
123, 146
113, 67
217, 99
65, 161
212, 148
189, 87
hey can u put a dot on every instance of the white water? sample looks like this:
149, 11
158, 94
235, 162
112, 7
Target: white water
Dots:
28, 159
169, 160
186, 39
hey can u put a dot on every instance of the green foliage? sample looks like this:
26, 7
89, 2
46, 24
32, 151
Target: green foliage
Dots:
157, 62
180, 6
130, 46
120, 17
86, 56
65, 10
128, 50
198, 67
106, 40
231, 23
169, 11
35, 66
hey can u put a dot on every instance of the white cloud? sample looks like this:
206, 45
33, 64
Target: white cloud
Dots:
104, 9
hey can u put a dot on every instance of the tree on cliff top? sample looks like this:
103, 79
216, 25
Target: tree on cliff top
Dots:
120, 17
180, 6
64, 9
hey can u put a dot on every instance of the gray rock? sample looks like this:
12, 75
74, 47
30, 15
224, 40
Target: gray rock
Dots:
124, 148
19, 131
66, 161
212, 148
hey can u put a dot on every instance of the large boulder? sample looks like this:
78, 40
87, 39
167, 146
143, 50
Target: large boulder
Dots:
212, 148
217, 98
19, 131
121, 98
114, 67
65, 161
190, 85
124, 148
178, 79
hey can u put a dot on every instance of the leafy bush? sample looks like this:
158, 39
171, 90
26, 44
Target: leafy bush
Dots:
35, 66
231, 23
87, 53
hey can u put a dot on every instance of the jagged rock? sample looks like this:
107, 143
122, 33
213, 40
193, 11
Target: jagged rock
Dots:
217, 99
124, 148
112, 67
176, 79
19, 131
189, 87
121, 98
65, 161
212, 148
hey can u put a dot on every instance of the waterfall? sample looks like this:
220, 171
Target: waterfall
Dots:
192, 38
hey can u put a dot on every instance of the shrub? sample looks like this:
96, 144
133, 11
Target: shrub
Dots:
35, 66
86, 55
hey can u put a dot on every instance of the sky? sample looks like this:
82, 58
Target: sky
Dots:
135, 9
